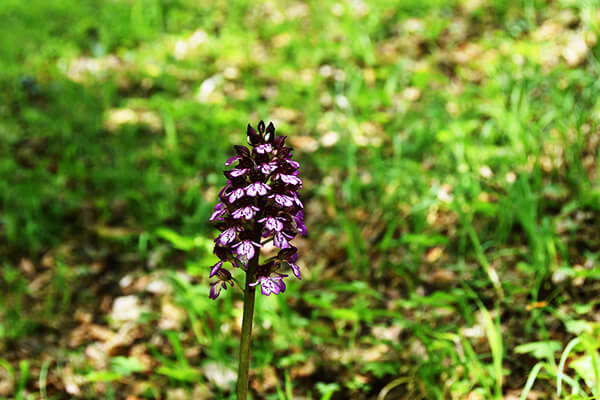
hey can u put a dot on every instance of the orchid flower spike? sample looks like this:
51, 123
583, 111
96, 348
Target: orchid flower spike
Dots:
259, 201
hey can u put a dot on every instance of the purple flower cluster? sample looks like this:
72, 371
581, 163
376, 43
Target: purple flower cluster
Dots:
259, 203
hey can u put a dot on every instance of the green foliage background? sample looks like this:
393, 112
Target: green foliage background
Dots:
450, 159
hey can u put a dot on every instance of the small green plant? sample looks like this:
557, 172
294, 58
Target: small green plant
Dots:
258, 204
327, 390
584, 361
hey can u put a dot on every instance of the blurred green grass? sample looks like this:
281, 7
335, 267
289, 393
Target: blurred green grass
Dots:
450, 154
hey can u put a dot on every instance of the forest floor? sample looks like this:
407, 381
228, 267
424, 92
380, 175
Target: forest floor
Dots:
449, 152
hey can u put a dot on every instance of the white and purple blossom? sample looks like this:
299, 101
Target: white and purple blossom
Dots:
215, 269
259, 200
299, 219
246, 212
283, 200
239, 172
280, 239
264, 148
289, 256
218, 212
231, 160
223, 277
257, 188
296, 270
268, 167
291, 179
273, 223
228, 236
225, 189
293, 163
298, 202
236, 194
246, 249
270, 284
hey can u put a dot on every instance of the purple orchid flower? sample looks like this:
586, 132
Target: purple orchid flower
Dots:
283, 200
231, 160
228, 235
236, 194
218, 212
223, 277
257, 188
280, 239
291, 179
246, 248
238, 172
247, 212
271, 284
259, 200
267, 168
273, 223
264, 148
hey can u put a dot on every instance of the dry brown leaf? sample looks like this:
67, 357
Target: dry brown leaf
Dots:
467, 53
202, 391
306, 369
330, 139
177, 394
39, 282
88, 332
474, 396
306, 144
48, 260
411, 94
532, 395
267, 380
159, 287
97, 356
126, 335
72, 382
368, 354
6, 383
220, 375
83, 316
549, 30
27, 267
115, 232
385, 332
172, 317
434, 254
185, 47
101, 333
139, 351
578, 47
82, 68
441, 277
126, 309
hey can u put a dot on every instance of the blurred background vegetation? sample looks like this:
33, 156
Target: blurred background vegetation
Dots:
449, 150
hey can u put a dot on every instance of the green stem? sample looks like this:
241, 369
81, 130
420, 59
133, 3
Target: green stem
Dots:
244, 366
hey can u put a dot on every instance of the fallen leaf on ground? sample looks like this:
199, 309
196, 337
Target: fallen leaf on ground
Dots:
220, 375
